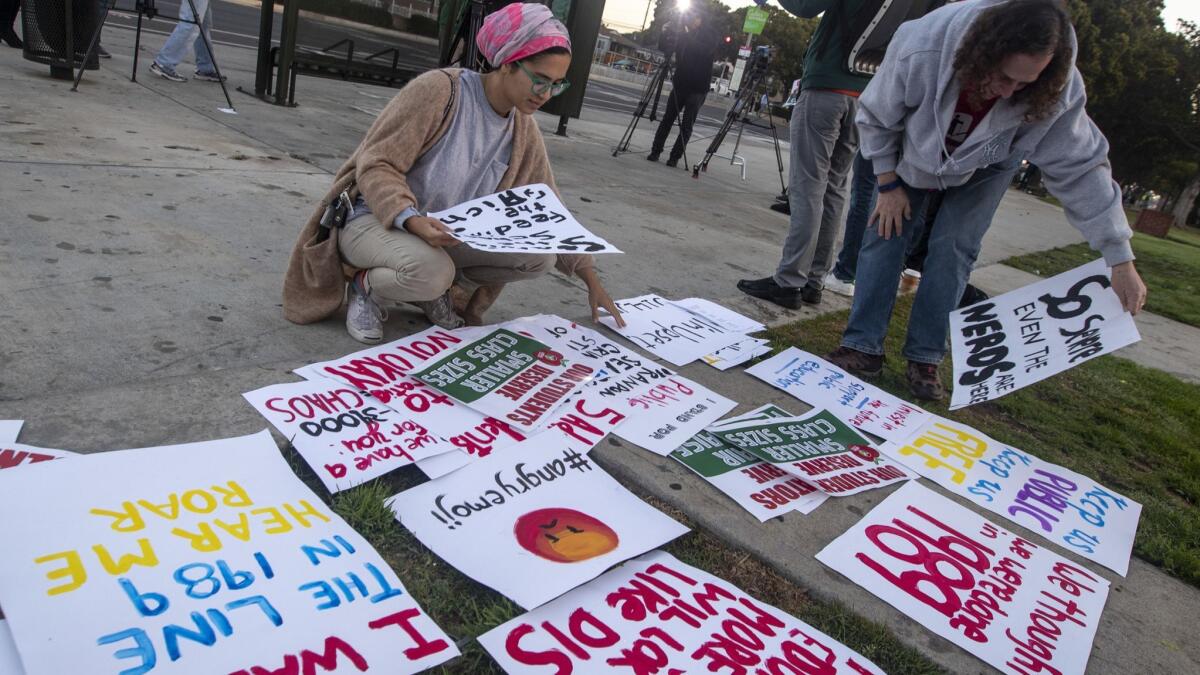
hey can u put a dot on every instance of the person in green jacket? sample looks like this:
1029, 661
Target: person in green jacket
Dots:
823, 142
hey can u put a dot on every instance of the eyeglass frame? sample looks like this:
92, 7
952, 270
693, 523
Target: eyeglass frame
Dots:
537, 81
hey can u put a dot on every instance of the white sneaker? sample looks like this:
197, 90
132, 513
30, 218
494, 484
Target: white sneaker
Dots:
836, 285
364, 318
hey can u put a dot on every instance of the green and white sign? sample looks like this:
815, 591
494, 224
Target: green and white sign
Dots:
756, 19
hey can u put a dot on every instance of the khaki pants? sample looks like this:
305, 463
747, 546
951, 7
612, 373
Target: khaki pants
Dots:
401, 267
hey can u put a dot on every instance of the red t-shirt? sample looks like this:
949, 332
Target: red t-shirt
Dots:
965, 119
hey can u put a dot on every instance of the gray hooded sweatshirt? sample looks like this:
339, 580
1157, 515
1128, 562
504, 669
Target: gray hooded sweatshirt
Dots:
904, 113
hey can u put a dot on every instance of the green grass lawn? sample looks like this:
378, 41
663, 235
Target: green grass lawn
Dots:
1134, 429
1170, 267
466, 609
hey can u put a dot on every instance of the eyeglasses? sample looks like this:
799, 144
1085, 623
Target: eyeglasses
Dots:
541, 85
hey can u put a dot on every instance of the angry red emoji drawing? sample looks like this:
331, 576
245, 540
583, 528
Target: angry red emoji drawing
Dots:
564, 535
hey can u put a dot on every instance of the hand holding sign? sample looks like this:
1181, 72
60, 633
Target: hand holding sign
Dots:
1128, 285
431, 230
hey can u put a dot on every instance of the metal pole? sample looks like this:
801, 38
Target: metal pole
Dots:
287, 49
262, 72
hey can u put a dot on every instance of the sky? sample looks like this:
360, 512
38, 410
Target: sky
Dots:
627, 15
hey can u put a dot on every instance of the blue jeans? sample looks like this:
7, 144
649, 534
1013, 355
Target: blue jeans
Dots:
862, 201
957, 235
188, 33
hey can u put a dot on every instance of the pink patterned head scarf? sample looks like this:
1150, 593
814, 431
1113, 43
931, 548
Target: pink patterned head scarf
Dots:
520, 30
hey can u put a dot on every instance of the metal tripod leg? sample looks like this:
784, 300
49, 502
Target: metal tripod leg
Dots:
199, 21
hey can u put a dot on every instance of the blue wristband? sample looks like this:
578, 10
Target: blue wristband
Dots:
888, 187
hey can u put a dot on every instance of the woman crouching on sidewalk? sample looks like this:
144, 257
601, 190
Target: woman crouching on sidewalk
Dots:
448, 137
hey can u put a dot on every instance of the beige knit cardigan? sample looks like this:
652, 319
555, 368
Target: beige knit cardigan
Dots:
313, 286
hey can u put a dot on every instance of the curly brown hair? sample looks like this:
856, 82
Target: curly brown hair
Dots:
1033, 27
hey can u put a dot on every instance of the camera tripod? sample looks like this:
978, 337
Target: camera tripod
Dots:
651, 95
756, 73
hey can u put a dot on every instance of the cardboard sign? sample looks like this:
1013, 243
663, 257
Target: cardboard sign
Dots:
346, 436
818, 448
759, 487
13, 455
508, 376
821, 384
669, 332
656, 614
1021, 608
384, 372
527, 219
535, 524
209, 557
1066, 508
1024, 336
10, 662
9, 430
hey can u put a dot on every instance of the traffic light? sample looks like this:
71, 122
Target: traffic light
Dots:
728, 39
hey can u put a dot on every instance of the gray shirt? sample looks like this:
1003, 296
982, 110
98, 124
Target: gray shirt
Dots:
468, 161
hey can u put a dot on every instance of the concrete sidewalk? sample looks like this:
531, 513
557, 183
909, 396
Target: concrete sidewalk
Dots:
145, 235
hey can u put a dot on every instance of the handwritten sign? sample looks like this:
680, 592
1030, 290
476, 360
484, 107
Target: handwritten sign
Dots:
760, 487
210, 557
385, 372
527, 219
13, 455
669, 332
508, 376
9, 430
821, 384
1021, 608
1066, 508
720, 315
1013, 340
737, 353
535, 524
655, 614
346, 436
818, 448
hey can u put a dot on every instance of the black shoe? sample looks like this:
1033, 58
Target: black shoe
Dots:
10, 38
782, 207
767, 289
673, 162
810, 295
102, 52
653, 157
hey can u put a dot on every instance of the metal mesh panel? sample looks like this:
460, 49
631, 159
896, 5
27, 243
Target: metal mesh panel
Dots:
46, 37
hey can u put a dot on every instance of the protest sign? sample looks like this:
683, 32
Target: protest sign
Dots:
760, 487
535, 524
10, 662
1066, 508
737, 353
817, 447
722, 316
527, 219
202, 558
9, 430
346, 436
1013, 340
384, 372
507, 376
13, 455
655, 614
669, 332
821, 384
1021, 608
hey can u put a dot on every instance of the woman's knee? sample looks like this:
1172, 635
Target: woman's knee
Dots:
425, 276
536, 265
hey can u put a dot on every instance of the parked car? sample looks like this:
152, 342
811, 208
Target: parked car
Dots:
625, 64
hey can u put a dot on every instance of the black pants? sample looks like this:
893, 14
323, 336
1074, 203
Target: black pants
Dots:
8, 12
690, 102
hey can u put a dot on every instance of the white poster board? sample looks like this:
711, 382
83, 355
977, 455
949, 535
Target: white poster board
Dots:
1065, 507
209, 557
13, 455
535, 524
668, 617
1024, 336
1021, 608
527, 219
720, 315
668, 331
821, 384
347, 437
760, 487
9, 430
818, 448
737, 353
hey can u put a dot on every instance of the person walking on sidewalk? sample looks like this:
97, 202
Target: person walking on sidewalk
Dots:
448, 137
695, 50
962, 96
188, 32
823, 142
